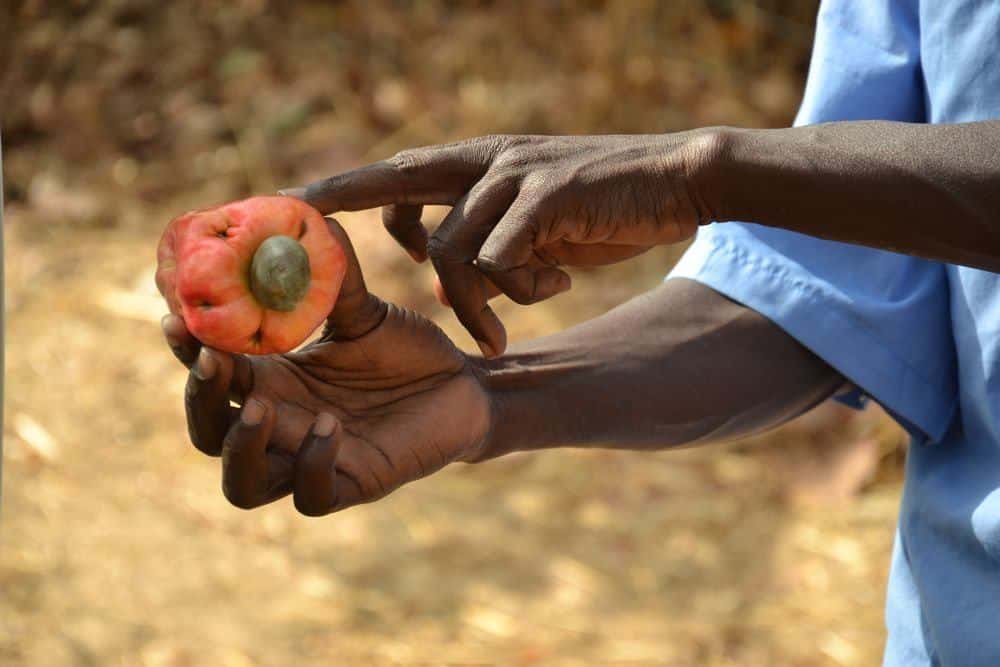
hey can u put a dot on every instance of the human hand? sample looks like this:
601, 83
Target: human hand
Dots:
524, 205
381, 399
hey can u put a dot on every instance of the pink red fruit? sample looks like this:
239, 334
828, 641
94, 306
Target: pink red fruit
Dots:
255, 276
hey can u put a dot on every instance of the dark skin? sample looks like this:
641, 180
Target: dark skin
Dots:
522, 205
677, 366
404, 401
381, 399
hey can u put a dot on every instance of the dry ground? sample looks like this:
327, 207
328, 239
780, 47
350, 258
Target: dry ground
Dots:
117, 547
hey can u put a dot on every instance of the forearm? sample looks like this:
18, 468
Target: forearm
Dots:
677, 366
926, 190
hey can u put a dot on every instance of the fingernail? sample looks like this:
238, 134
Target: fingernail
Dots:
486, 349
298, 193
173, 343
205, 367
253, 412
170, 324
324, 425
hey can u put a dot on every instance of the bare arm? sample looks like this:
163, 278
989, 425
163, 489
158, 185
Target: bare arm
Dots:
523, 205
389, 400
679, 365
926, 190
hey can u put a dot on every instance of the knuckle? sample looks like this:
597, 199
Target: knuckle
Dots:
435, 247
390, 218
523, 219
496, 188
536, 182
494, 143
484, 150
439, 248
513, 159
506, 176
523, 143
488, 140
328, 185
409, 160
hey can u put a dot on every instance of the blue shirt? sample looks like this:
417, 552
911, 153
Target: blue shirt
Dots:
920, 337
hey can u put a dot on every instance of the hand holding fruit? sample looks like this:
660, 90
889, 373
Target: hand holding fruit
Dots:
256, 276
382, 399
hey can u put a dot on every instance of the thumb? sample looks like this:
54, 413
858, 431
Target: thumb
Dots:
356, 311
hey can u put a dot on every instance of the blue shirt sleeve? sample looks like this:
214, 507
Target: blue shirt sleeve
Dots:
881, 319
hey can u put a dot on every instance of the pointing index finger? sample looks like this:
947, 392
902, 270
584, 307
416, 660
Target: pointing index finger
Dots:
430, 175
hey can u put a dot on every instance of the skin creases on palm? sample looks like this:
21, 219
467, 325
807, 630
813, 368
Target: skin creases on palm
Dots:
407, 398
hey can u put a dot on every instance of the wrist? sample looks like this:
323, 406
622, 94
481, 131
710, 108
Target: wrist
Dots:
715, 179
520, 417
757, 175
500, 436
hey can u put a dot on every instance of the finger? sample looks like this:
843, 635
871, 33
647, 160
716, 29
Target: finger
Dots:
491, 292
512, 241
315, 487
184, 346
526, 285
452, 249
241, 383
245, 478
402, 221
592, 254
187, 348
429, 175
206, 400
356, 311
508, 258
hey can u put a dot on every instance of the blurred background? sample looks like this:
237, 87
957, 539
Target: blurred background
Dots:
116, 544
